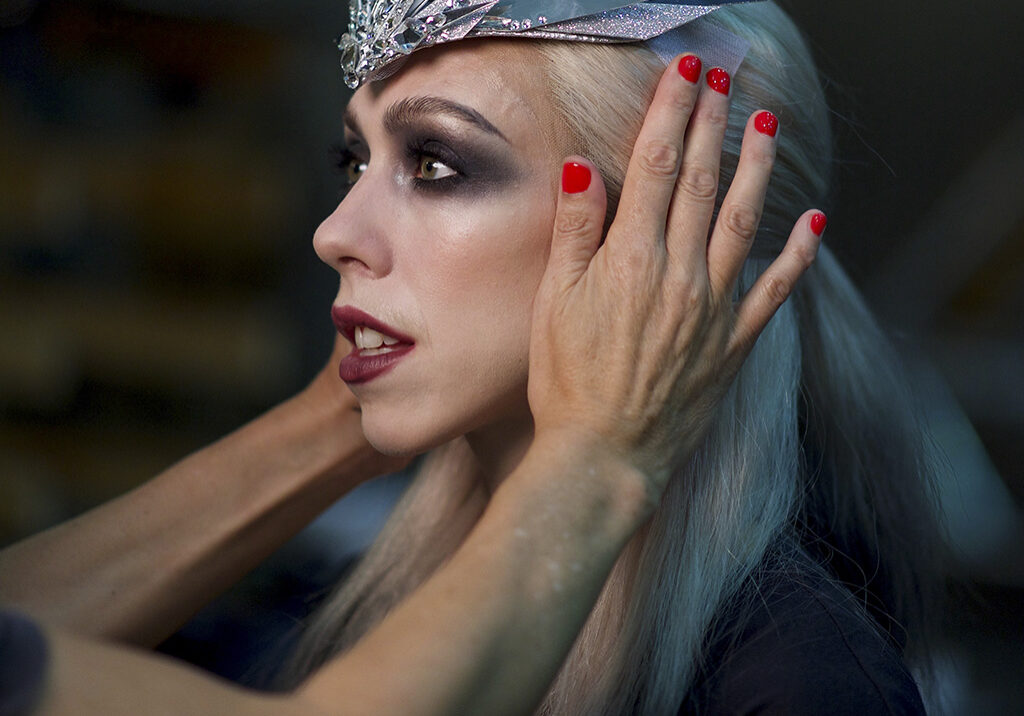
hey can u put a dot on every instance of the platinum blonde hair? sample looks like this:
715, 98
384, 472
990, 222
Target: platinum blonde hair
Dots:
815, 447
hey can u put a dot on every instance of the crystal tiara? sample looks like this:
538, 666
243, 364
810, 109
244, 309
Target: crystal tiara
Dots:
383, 32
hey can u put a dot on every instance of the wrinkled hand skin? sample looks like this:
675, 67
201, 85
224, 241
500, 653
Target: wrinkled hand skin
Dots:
636, 339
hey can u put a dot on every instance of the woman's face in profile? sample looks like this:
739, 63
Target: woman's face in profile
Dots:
443, 237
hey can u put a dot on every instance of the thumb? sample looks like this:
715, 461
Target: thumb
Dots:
579, 220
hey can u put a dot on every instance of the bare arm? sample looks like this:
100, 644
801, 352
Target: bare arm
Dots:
135, 569
487, 632
484, 635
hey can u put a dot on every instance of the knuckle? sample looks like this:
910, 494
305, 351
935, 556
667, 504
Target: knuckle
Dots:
699, 181
805, 254
764, 154
659, 158
742, 219
573, 223
713, 114
777, 288
682, 101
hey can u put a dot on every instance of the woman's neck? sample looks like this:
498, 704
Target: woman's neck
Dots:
500, 447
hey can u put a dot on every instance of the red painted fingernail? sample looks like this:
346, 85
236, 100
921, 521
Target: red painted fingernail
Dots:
575, 177
766, 123
690, 68
719, 80
818, 223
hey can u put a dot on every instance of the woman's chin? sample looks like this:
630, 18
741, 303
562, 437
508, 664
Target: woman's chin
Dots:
393, 447
397, 438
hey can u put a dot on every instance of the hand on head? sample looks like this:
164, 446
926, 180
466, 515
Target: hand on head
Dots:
635, 339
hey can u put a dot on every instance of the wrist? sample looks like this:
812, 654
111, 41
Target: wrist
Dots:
579, 472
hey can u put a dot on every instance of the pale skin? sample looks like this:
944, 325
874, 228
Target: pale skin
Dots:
449, 255
575, 450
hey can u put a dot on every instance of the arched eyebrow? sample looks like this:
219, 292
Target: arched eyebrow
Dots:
405, 112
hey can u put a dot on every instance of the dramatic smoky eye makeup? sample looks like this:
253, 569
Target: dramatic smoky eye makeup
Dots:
347, 163
440, 147
432, 165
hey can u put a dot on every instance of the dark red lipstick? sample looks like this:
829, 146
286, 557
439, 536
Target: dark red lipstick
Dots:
357, 366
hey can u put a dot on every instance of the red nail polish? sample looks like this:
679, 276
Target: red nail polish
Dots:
690, 68
719, 80
766, 123
575, 178
818, 223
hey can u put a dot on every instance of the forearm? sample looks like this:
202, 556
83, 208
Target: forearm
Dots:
139, 566
488, 632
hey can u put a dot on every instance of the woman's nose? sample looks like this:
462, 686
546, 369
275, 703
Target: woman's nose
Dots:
352, 239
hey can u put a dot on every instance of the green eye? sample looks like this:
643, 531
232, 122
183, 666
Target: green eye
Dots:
431, 169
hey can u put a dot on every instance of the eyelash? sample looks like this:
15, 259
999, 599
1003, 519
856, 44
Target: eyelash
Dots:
416, 152
343, 160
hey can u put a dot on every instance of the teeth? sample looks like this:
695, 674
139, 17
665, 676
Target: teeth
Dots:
369, 339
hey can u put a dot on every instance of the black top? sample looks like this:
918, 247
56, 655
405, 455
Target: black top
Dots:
804, 646
23, 657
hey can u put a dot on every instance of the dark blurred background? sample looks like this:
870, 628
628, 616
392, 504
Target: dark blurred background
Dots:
163, 166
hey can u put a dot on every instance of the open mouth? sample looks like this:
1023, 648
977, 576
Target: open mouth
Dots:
378, 346
374, 343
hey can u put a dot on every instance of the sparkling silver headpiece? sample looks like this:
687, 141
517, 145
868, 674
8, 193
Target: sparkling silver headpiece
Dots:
383, 32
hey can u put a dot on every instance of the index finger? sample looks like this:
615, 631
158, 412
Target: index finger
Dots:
653, 167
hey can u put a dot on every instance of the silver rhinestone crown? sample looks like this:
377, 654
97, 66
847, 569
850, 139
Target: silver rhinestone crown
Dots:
382, 32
